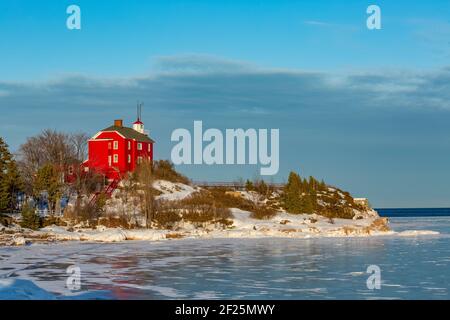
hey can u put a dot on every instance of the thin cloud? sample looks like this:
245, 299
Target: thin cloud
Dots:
329, 25
381, 123
198, 82
195, 63
318, 23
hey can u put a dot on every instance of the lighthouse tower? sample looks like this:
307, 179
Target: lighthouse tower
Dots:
138, 125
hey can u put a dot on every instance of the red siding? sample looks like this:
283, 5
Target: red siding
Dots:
101, 147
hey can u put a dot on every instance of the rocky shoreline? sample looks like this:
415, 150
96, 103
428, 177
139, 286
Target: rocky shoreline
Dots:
283, 225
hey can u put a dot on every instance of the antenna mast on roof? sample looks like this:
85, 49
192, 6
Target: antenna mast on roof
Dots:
138, 125
139, 110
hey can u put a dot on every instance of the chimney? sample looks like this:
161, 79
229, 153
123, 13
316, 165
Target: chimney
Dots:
118, 123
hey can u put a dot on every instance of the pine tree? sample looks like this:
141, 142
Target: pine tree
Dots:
10, 186
3, 151
261, 187
305, 186
48, 180
249, 185
30, 219
10, 179
322, 186
307, 204
292, 191
313, 184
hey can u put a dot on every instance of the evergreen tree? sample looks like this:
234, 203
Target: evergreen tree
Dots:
261, 187
10, 179
312, 184
292, 192
10, 186
30, 219
322, 186
307, 204
300, 195
48, 180
249, 185
3, 151
305, 186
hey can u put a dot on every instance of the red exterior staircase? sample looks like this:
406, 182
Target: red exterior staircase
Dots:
108, 190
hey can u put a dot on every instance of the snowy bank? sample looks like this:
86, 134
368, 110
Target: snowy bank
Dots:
366, 222
283, 225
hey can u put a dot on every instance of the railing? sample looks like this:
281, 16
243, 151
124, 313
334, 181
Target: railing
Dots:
108, 190
227, 184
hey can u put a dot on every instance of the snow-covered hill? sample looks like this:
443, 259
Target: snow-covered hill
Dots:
242, 224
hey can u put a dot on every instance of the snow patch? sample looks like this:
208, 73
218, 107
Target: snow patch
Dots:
173, 190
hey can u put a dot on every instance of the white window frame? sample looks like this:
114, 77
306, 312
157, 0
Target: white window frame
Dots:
129, 145
149, 146
139, 146
116, 158
129, 158
116, 145
109, 161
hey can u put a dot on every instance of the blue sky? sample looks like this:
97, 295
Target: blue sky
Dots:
368, 111
120, 38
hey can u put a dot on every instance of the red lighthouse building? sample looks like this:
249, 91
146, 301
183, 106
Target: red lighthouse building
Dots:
117, 150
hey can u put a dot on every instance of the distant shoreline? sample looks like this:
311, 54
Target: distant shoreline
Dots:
413, 212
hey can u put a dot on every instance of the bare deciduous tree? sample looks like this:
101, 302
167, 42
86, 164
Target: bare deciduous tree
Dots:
144, 177
50, 147
79, 142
